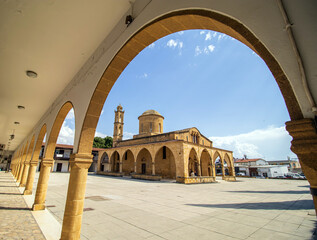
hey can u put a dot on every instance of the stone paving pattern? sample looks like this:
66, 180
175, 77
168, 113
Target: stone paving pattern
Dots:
16, 220
122, 208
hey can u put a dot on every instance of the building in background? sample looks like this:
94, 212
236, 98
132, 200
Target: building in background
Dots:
185, 155
259, 167
62, 155
292, 165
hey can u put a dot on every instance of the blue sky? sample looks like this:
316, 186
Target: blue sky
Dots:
201, 79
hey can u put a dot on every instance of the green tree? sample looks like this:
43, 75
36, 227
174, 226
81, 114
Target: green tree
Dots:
100, 142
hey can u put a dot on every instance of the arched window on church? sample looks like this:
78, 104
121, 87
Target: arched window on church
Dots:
160, 129
150, 127
164, 152
141, 127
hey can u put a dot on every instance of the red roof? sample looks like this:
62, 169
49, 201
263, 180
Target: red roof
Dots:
247, 160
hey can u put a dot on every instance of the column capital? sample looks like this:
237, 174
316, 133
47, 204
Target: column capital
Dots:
47, 162
79, 160
304, 135
33, 163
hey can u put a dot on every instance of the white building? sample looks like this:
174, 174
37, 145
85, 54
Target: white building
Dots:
259, 167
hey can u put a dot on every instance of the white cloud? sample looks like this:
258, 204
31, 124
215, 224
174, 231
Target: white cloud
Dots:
152, 45
202, 32
66, 135
101, 112
127, 135
272, 143
206, 50
198, 51
174, 43
181, 32
145, 75
99, 134
208, 36
211, 48
71, 114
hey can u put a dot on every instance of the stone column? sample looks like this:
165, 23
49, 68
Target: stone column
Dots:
304, 144
135, 167
41, 190
20, 172
223, 170
14, 170
25, 173
199, 169
30, 179
120, 167
75, 196
153, 168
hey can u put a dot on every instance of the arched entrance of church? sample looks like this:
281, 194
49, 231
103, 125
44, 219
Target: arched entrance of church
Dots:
144, 162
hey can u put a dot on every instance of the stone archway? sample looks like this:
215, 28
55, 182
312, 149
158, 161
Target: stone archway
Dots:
205, 164
144, 162
165, 163
34, 161
27, 163
104, 163
128, 162
193, 163
115, 162
158, 28
48, 158
218, 163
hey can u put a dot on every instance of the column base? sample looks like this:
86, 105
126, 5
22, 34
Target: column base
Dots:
38, 207
27, 192
22, 185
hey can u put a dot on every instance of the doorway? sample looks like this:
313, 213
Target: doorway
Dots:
143, 168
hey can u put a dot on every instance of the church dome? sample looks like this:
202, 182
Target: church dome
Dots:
151, 112
151, 122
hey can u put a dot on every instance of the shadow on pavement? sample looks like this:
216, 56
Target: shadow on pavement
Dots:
15, 208
289, 205
274, 192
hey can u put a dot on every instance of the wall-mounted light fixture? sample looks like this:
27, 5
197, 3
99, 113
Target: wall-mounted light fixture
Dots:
128, 20
31, 74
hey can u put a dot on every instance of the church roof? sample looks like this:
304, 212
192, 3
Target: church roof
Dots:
151, 112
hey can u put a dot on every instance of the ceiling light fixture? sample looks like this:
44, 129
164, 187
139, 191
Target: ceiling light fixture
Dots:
21, 107
31, 74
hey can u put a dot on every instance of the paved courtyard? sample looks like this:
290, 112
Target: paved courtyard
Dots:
122, 208
16, 220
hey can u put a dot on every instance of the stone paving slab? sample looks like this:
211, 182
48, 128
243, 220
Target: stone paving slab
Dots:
16, 220
137, 209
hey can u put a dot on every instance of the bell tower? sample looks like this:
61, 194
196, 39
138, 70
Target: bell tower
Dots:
118, 126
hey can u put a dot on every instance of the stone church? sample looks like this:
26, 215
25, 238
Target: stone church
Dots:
184, 155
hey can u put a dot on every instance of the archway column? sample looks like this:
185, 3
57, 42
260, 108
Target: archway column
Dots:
16, 171
80, 164
20, 172
25, 173
304, 144
213, 169
41, 190
135, 165
120, 166
153, 168
223, 169
30, 179
199, 169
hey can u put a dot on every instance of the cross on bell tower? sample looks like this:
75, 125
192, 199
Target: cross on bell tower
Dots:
118, 125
